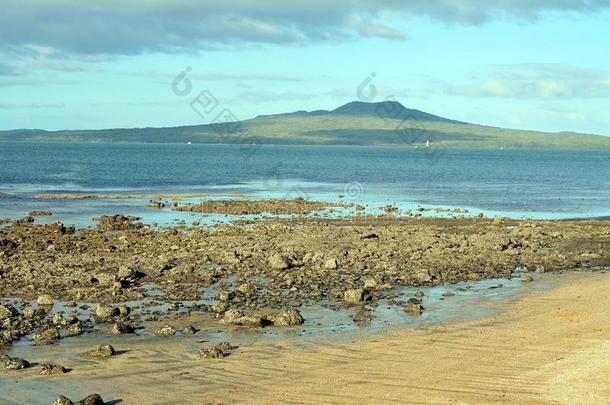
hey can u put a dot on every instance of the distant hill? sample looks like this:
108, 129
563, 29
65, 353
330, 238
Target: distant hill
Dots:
355, 123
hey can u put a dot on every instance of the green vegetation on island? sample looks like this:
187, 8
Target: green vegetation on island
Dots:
356, 123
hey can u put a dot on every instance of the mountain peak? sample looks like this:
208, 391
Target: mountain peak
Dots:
388, 109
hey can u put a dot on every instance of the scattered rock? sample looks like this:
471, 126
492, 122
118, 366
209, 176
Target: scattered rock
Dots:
413, 307
100, 351
104, 312
362, 316
7, 311
246, 289
165, 330
61, 400
224, 296
526, 278
331, 264
126, 273
16, 363
45, 300
286, 317
51, 369
225, 346
236, 317
279, 262
93, 399
121, 328
75, 329
210, 353
190, 330
47, 335
220, 307
353, 296
40, 214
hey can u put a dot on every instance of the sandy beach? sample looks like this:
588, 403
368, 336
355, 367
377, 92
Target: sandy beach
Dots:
549, 346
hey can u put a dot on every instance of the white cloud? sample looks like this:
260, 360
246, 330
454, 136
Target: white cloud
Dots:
66, 28
537, 81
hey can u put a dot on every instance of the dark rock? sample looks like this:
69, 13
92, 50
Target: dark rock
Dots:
210, 353
7, 311
93, 399
413, 307
61, 400
16, 363
120, 328
75, 329
362, 316
51, 369
190, 330
225, 346
47, 335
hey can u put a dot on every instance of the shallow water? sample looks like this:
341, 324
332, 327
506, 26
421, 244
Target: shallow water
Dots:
324, 324
325, 320
515, 183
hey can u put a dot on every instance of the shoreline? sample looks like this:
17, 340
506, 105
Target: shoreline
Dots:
123, 282
545, 346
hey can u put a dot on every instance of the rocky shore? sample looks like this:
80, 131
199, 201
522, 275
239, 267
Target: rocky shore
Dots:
283, 263
59, 282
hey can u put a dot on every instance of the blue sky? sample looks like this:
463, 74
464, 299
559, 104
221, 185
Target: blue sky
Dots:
537, 64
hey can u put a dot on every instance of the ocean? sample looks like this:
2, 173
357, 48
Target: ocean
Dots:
514, 183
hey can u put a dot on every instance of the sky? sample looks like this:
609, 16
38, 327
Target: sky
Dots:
527, 64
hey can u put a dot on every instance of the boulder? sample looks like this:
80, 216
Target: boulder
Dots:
246, 289
413, 307
126, 274
47, 335
100, 351
224, 296
75, 329
362, 316
279, 262
58, 320
93, 399
44, 300
236, 317
286, 317
7, 311
331, 264
225, 346
16, 363
121, 328
190, 330
51, 369
104, 312
61, 400
353, 296
165, 330
210, 353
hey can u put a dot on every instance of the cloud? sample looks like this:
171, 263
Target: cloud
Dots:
537, 81
219, 76
69, 30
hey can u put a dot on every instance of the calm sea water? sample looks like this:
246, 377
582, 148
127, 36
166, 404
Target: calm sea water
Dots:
517, 183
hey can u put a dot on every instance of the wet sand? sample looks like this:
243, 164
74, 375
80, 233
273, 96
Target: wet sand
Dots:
549, 346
